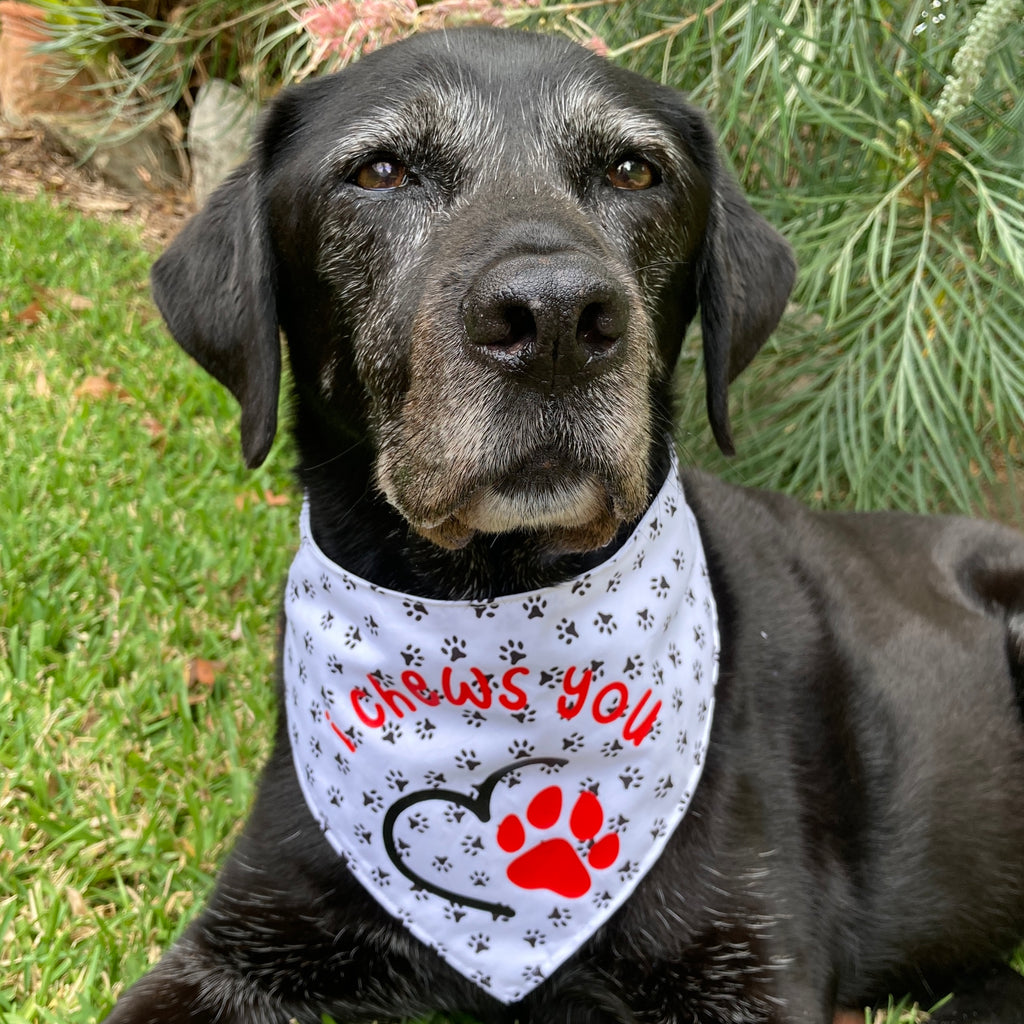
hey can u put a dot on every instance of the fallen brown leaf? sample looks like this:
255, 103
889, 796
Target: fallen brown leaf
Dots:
75, 302
153, 427
30, 314
201, 672
100, 386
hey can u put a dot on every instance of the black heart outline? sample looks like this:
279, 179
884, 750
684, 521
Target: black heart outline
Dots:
480, 805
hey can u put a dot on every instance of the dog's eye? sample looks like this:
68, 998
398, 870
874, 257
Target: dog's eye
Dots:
633, 173
382, 173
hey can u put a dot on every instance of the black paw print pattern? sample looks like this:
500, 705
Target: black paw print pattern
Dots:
512, 651
533, 974
560, 917
573, 743
454, 698
611, 748
391, 733
453, 648
520, 749
467, 760
425, 729
634, 667
566, 630
472, 845
550, 678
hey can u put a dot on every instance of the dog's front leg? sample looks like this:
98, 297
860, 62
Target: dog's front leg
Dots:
288, 933
188, 986
260, 955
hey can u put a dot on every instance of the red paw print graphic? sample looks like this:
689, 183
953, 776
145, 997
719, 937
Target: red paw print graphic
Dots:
554, 863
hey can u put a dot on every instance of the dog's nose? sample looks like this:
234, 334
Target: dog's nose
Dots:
555, 318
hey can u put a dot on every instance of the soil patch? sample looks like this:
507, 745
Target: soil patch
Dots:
32, 164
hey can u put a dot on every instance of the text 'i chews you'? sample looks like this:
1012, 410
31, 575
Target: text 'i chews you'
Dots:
501, 776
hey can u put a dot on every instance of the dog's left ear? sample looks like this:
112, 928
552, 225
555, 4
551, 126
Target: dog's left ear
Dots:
746, 273
745, 268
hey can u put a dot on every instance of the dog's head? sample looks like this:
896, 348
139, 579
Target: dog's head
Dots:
483, 248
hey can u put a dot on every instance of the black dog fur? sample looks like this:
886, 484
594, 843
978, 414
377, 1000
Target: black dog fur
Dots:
859, 828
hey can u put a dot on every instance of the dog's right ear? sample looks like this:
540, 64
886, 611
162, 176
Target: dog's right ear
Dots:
215, 288
747, 271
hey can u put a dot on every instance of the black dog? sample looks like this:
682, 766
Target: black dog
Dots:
483, 249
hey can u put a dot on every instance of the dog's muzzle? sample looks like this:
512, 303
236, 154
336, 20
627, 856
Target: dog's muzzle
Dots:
528, 405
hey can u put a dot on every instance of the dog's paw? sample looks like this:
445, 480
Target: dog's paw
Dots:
556, 864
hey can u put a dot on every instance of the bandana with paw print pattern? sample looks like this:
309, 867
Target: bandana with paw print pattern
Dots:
501, 775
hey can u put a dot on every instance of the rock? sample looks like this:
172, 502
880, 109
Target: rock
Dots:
136, 160
218, 134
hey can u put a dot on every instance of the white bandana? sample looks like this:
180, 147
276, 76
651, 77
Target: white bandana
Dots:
501, 775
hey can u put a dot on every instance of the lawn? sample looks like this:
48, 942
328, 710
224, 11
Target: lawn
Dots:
140, 568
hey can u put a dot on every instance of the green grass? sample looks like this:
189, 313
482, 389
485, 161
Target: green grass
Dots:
123, 557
